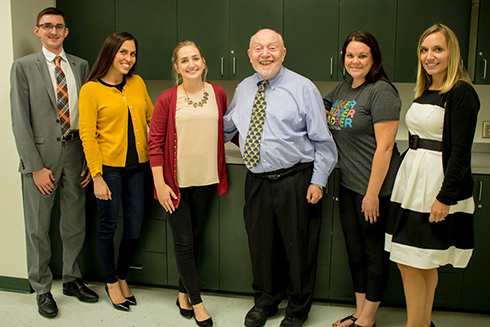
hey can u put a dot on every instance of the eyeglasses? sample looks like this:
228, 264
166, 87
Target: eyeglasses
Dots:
49, 26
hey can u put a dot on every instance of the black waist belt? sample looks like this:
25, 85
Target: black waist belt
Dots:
415, 142
281, 173
73, 136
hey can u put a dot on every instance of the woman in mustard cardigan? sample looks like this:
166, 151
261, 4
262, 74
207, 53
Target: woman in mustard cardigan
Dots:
115, 110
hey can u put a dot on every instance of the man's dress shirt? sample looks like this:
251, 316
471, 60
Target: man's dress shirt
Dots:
295, 127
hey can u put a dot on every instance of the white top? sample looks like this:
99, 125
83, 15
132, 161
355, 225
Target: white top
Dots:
421, 173
197, 140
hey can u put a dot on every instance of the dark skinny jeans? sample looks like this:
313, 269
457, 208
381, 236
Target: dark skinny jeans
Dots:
128, 186
187, 225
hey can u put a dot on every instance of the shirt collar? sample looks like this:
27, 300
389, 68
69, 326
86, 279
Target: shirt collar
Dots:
50, 56
274, 80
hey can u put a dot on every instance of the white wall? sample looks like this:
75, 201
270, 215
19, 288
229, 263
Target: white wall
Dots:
19, 19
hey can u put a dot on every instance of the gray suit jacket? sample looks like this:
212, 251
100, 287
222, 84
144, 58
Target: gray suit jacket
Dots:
35, 119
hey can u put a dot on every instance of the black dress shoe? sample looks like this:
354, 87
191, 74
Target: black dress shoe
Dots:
47, 305
132, 300
185, 312
118, 306
292, 322
78, 288
257, 316
205, 323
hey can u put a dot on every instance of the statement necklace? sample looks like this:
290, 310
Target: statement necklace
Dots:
196, 104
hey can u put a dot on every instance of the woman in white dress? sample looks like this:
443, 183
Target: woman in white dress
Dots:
432, 197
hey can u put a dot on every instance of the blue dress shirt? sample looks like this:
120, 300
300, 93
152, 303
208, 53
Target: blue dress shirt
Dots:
295, 127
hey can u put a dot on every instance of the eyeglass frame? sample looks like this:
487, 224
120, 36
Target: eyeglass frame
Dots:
49, 26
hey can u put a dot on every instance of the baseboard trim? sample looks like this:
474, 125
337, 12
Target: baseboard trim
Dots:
13, 284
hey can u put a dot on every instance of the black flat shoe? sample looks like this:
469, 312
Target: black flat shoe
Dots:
118, 306
184, 312
132, 300
205, 323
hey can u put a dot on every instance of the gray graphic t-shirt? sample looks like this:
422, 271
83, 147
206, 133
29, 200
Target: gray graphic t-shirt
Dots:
353, 114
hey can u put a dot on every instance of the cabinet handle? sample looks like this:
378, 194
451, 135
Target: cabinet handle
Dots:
234, 65
484, 69
222, 66
480, 192
331, 66
136, 267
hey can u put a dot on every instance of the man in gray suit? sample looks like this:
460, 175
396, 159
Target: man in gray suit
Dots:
44, 105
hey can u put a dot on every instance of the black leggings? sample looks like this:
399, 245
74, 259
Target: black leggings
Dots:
187, 225
369, 263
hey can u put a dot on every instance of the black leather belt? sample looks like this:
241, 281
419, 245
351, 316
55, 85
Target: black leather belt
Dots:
281, 173
72, 136
415, 142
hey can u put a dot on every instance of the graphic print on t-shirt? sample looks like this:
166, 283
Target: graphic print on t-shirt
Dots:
341, 114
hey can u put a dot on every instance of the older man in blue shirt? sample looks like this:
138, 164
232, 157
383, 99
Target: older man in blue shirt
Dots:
289, 164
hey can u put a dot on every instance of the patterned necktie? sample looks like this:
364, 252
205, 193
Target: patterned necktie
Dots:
254, 135
62, 96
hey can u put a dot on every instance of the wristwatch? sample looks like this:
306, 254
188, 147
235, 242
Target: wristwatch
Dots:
319, 186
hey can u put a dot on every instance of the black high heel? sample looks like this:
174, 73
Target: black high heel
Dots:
184, 312
132, 300
118, 306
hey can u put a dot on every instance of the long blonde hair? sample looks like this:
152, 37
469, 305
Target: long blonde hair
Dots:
455, 69
175, 58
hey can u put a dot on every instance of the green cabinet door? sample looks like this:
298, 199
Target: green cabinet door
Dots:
341, 287
482, 70
206, 22
235, 265
208, 264
89, 23
412, 22
154, 25
246, 18
476, 288
375, 17
322, 284
311, 37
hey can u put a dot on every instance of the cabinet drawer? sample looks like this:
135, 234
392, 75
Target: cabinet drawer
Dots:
149, 268
153, 238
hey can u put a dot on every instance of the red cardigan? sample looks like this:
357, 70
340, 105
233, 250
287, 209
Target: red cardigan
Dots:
163, 145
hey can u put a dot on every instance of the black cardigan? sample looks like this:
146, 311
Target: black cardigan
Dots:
462, 105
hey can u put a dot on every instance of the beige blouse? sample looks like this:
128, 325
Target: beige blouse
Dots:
197, 140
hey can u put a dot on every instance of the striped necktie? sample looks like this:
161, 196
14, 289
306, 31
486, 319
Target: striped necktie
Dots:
251, 152
62, 96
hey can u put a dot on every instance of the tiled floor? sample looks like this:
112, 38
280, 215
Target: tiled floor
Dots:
156, 307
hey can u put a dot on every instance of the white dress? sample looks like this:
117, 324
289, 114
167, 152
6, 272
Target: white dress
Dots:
412, 240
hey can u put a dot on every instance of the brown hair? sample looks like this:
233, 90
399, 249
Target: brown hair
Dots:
109, 49
175, 59
377, 72
50, 11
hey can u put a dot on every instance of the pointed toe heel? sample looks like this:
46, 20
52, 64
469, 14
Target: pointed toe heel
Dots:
118, 306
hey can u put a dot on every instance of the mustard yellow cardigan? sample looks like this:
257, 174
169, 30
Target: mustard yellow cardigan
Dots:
104, 122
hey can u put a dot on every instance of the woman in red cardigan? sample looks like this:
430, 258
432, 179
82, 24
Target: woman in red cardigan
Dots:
187, 158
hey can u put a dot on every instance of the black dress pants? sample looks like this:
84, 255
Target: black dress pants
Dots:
283, 232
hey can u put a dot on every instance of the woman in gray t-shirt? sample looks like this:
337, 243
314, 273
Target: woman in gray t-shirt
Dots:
363, 115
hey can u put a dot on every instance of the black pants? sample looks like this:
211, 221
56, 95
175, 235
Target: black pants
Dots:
368, 261
187, 224
283, 233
